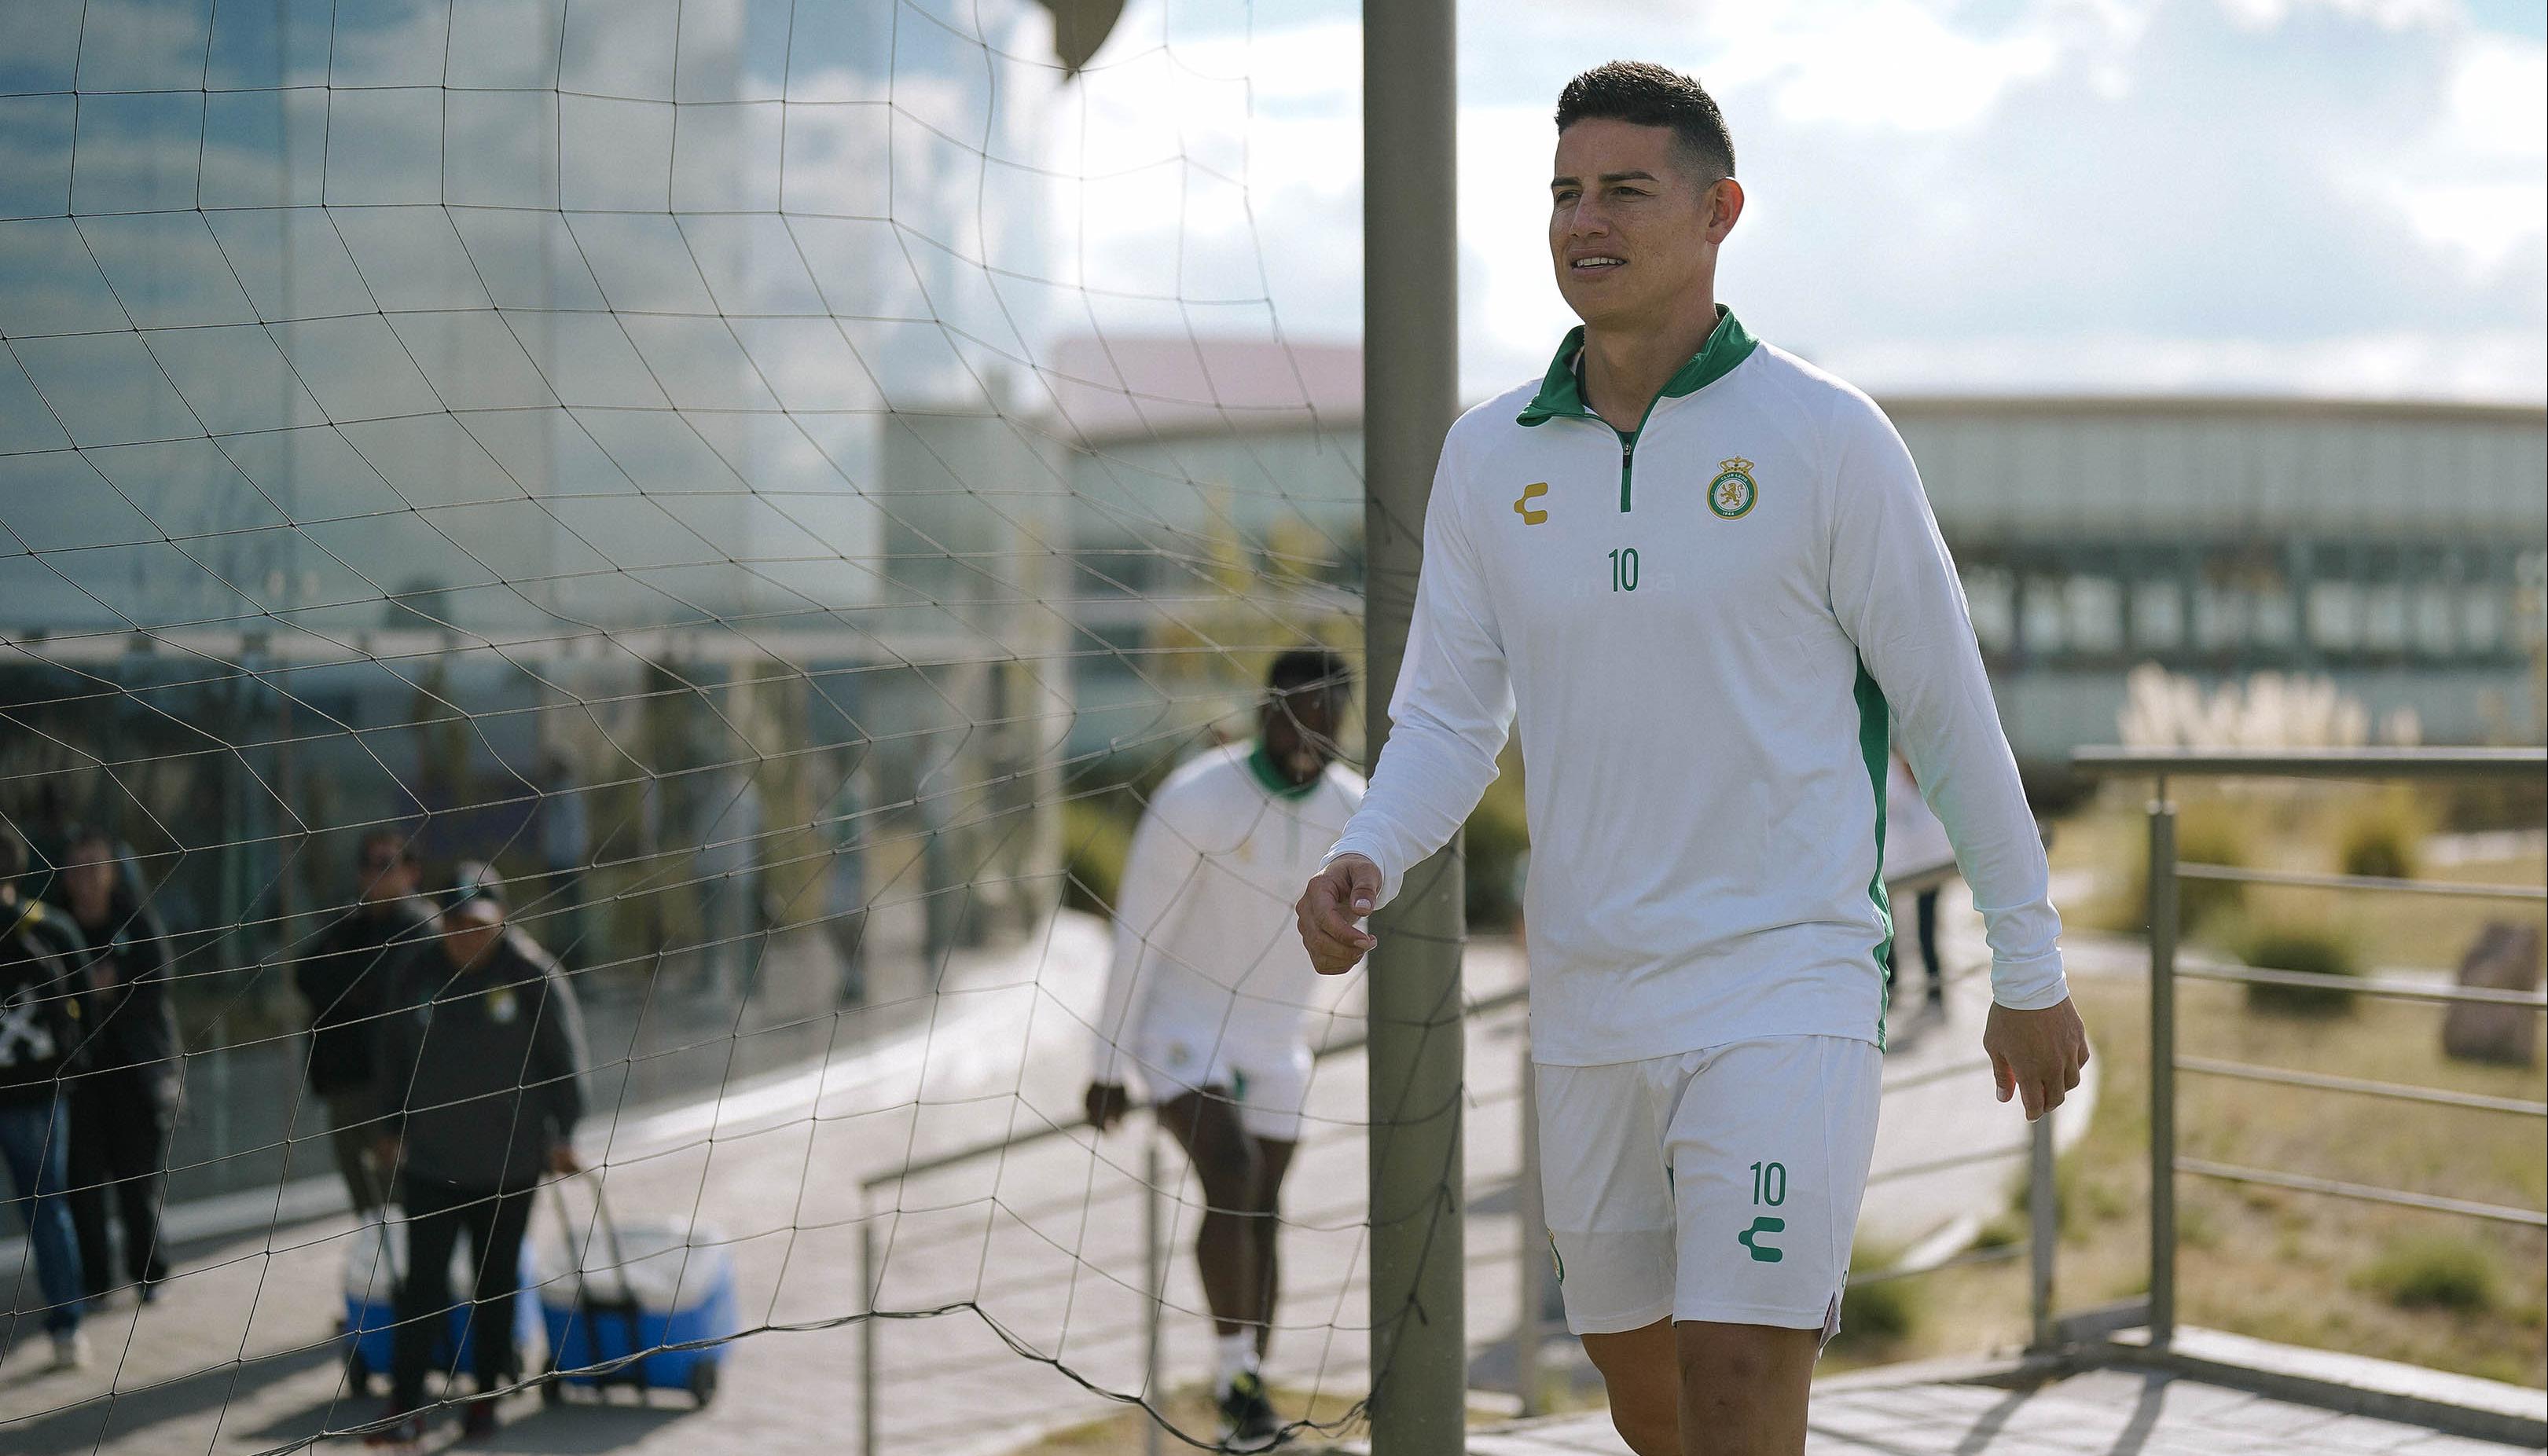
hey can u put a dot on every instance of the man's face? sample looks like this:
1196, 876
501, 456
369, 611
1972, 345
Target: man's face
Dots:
471, 930
1299, 730
385, 873
89, 883
1630, 225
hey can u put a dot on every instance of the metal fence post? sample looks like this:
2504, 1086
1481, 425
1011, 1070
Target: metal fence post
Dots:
1534, 1242
1411, 396
1155, 1270
866, 1328
2043, 1215
2162, 1067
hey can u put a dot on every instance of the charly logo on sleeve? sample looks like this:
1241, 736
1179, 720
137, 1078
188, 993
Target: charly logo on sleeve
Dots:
1733, 492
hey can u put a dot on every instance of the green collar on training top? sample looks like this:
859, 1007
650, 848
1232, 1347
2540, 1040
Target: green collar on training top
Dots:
1275, 781
1561, 394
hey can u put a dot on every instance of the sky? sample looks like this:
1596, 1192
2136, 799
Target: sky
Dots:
2339, 198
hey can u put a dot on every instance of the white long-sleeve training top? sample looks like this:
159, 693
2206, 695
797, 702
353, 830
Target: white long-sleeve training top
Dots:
1704, 627
1206, 946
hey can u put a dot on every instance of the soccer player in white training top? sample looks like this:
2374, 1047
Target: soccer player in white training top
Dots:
1703, 576
1210, 989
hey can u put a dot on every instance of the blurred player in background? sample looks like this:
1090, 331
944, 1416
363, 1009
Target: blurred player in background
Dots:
1209, 990
40, 1028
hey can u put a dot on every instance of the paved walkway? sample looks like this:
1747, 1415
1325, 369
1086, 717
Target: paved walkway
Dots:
1036, 1256
2105, 1412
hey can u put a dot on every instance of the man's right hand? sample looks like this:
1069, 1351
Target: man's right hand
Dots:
1106, 1104
1330, 913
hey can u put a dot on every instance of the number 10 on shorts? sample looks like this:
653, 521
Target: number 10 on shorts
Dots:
1768, 1186
1770, 1183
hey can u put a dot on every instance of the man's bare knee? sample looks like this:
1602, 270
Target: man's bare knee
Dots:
1744, 1388
1643, 1382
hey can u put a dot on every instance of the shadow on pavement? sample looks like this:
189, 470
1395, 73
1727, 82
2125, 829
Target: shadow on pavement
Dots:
92, 1423
583, 1425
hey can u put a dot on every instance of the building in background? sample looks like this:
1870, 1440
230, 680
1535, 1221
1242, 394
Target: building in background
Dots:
2397, 550
406, 422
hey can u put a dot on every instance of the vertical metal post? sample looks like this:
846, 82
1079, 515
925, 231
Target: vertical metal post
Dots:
1154, 1269
1533, 1211
867, 1391
1411, 396
2043, 1215
2162, 1067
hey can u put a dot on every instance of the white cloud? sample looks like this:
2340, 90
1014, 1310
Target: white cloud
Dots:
2307, 195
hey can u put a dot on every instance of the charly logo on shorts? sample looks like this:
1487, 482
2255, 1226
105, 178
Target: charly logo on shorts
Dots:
1556, 1258
1766, 1253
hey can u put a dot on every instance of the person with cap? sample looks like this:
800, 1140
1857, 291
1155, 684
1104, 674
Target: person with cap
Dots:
480, 1098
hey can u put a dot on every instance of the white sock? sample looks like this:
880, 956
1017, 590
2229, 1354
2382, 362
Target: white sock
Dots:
1237, 1356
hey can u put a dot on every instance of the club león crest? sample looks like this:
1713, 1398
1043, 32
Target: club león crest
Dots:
1732, 492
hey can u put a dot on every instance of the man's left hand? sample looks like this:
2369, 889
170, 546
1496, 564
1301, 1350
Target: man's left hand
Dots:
2036, 1056
563, 1161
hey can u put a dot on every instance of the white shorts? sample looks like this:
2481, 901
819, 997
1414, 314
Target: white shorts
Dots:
1720, 1185
1270, 1083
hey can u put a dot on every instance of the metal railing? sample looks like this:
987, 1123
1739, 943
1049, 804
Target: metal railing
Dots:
2166, 872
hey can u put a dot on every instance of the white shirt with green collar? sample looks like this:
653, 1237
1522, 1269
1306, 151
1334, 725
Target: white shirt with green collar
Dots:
1706, 629
1206, 948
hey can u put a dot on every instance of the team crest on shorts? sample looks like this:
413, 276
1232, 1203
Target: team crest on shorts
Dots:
1733, 491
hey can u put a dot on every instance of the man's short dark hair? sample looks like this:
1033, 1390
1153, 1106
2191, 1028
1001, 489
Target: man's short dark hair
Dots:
1311, 667
1644, 94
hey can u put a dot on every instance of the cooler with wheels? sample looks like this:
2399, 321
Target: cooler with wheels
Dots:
647, 1304
375, 1262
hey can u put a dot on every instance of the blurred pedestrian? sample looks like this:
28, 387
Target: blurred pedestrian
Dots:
565, 832
346, 979
480, 1098
1916, 852
123, 1097
39, 1031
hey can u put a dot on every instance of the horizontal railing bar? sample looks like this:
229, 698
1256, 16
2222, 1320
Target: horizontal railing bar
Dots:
1989, 1255
1510, 996
2363, 1192
2368, 986
2326, 762
1941, 1164
2285, 1077
2236, 875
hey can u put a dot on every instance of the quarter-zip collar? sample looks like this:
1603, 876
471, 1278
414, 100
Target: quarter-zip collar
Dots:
1561, 392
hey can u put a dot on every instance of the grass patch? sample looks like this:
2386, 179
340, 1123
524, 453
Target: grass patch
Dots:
2317, 949
2434, 1272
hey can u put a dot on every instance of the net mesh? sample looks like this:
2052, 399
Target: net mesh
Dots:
780, 483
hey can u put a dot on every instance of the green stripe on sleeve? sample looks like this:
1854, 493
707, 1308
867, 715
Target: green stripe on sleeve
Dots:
1874, 743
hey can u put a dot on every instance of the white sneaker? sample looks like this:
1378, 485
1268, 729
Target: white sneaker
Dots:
70, 1350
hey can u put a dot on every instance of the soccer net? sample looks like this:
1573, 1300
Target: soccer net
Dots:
780, 483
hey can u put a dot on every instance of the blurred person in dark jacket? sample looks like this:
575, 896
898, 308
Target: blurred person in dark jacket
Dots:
39, 1029
123, 1097
347, 980
480, 1101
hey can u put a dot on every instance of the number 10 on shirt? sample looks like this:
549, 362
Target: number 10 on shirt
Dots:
1623, 569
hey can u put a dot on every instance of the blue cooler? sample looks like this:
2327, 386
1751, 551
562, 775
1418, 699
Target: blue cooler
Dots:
375, 1260
617, 1294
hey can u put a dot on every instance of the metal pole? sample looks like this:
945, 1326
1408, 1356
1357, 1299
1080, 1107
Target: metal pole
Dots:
2044, 1233
1534, 1242
1411, 396
2162, 1065
867, 1329
1155, 1268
